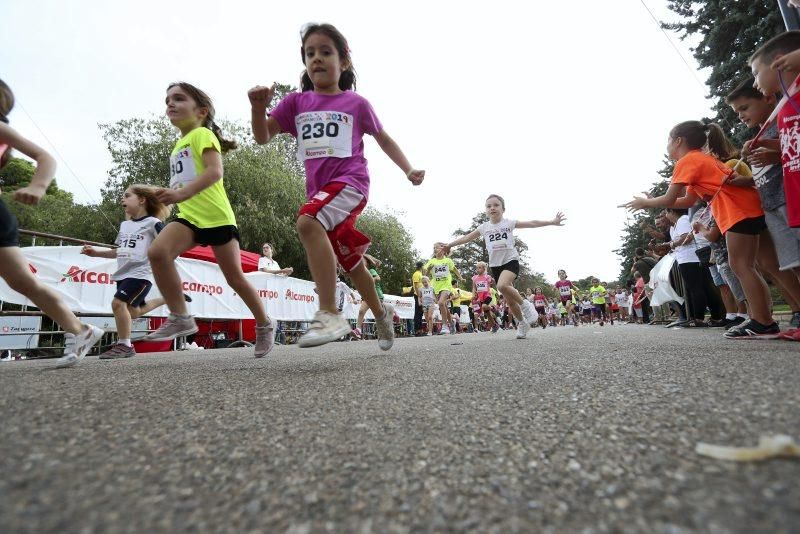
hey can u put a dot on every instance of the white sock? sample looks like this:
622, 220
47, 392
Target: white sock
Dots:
743, 315
126, 342
730, 316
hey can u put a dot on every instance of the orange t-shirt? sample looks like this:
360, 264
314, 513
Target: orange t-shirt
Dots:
703, 174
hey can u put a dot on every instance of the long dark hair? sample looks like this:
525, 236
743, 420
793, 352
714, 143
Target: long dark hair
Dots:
700, 136
6, 105
204, 101
347, 80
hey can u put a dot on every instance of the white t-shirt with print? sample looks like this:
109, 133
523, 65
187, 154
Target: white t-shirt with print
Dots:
499, 240
268, 263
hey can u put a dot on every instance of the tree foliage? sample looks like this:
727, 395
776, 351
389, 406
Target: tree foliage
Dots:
393, 245
729, 32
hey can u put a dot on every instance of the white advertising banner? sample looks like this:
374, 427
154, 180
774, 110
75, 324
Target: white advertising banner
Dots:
16, 332
659, 282
85, 285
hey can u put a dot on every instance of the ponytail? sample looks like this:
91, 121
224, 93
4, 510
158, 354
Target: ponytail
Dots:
708, 136
225, 144
719, 145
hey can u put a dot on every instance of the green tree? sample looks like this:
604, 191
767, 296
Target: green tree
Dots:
729, 32
393, 245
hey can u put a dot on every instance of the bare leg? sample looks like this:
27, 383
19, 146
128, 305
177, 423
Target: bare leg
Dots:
174, 240
365, 285
787, 281
510, 293
149, 306
14, 270
321, 262
362, 312
229, 261
122, 317
742, 251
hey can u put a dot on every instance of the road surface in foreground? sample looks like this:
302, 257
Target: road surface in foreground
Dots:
572, 429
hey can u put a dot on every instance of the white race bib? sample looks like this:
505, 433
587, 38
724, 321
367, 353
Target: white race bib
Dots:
441, 271
324, 134
482, 286
181, 168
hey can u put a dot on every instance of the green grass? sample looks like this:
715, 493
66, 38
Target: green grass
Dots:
781, 308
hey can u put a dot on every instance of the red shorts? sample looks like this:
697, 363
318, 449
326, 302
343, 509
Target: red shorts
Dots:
337, 206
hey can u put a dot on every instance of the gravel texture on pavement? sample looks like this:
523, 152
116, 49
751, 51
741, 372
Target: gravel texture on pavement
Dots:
574, 429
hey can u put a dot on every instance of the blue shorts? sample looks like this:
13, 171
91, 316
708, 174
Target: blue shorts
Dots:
718, 280
133, 291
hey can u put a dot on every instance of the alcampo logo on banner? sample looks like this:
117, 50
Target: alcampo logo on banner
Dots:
291, 295
76, 274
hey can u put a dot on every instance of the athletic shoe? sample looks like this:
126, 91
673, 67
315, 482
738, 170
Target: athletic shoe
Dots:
444, 330
719, 323
679, 322
753, 329
77, 347
795, 322
325, 327
173, 327
495, 328
265, 339
602, 323
529, 313
384, 327
119, 350
522, 330
736, 321
793, 334
356, 333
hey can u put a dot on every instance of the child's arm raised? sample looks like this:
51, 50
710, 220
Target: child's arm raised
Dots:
264, 128
392, 149
45, 165
557, 221
212, 174
472, 236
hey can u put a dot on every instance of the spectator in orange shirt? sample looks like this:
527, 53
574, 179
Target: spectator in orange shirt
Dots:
736, 208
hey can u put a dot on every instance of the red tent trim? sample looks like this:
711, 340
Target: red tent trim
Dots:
249, 259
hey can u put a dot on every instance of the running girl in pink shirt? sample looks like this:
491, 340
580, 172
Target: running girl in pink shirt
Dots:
329, 121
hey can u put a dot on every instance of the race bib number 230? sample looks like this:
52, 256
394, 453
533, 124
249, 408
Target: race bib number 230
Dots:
324, 134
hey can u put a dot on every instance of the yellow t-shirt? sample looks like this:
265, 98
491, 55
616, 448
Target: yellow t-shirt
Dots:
441, 269
416, 280
598, 294
210, 207
493, 292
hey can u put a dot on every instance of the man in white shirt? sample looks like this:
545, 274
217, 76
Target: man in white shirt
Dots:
267, 265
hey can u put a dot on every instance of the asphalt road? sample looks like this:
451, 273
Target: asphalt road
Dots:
589, 429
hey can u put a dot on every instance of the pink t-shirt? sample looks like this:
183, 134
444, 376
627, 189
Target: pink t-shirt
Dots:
540, 301
329, 131
482, 285
564, 290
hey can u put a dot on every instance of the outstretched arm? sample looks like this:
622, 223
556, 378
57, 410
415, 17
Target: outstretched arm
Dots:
472, 236
556, 221
392, 149
675, 197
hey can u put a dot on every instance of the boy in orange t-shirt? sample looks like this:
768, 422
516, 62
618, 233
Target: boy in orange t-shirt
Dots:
736, 208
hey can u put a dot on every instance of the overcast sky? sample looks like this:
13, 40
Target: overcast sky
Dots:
553, 105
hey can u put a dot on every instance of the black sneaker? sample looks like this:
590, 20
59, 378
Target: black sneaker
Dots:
679, 322
736, 321
795, 321
751, 329
719, 323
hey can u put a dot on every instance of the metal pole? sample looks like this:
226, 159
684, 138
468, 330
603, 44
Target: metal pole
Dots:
791, 15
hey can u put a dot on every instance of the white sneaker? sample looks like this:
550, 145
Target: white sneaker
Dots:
77, 347
265, 339
384, 328
325, 327
444, 331
529, 313
522, 329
